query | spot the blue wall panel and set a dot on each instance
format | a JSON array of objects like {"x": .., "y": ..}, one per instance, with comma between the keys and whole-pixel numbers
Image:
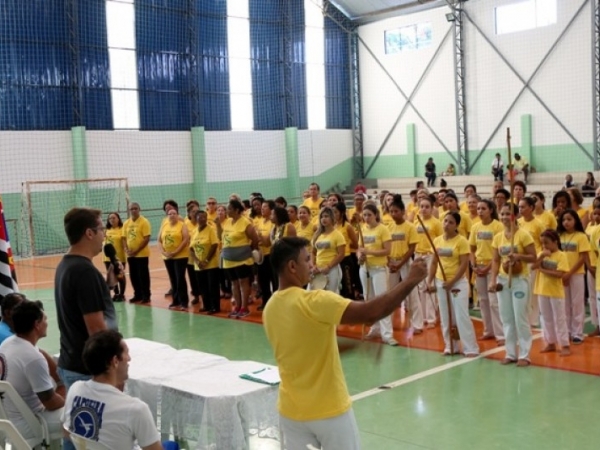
[{"x": 337, "y": 76}]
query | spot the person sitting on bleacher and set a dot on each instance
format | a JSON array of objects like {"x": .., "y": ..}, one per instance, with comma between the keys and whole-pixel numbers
[
  {"x": 26, "y": 369},
  {"x": 98, "y": 410}
]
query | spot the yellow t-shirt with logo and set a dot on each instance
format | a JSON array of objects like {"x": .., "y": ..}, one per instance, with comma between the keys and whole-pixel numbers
[
  {"x": 589, "y": 232},
  {"x": 482, "y": 237},
  {"x": 449, "y": 252},
  {"x": 201, "y": 242},
  {"x": 403, "y": 235},
  {"x": 502, "y": 244},
  {"x": 306, "y": 232},
  {"x": 535, "y": 228},
  {"x": 313, "y": 206},
  {"x": 326, "y": 247},
  {"x": 548, "y": 285},
  {"x": 434, "y": 228},
  {"x": 343, "y": 229},
  {"x": 301, "y": 328},
  {"x": 595, "y": 245},
  {"x": 373, "y": 240},
  {"x": 234, "y": 235},
  {"x": 573, "y": 244},
  {"x": 172, "y": 237},
  {"x": 191, "y": 230},
  {"x": 464, "y": 228},
  {"x": 113, "y": 236},
  {"x": 263, "y": 228},
  {"x": 548, "y": 220},
  {"x": 134, "y": 232}
]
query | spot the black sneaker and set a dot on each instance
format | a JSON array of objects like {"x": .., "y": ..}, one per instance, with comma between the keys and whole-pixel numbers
[{"x": 135, "y": 300}]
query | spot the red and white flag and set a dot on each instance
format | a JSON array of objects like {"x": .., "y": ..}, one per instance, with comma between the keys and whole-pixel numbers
[{"x": 8, "y": 277}]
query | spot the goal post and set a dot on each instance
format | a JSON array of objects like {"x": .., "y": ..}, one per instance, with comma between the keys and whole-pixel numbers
[{"x": 45, "y": 202}]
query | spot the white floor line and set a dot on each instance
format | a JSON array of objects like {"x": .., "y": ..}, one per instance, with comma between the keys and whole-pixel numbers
[{"x": 428, "y": 373}]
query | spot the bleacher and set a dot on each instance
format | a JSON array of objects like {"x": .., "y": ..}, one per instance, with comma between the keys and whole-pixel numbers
[{"x": 546, "y": 182}]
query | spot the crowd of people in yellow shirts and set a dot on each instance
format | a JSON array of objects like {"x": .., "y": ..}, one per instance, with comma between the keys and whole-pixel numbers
[{"x": 525, "y": 265}]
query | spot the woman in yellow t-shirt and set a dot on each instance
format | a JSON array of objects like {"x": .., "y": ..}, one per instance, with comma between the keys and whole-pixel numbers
[
  {"x": 551, "y": 265},
  {"x": 328, "y": 250},
  {"x": 114, "y": 231},
  {"x": 375, "y": 243},
  {"x": 590, "y": 231},
  {"x": 576, "y": 246},
  {"x": 173, "y": 244},
  {"x": 452, "y": 253},
  {"x": 510, "y": 264},
  {"x": 576, "y": 202},
  {"x": 192, "y": 207},
  {"x": 239, "y": 238},
  {"x": 480, "y": 241},
  {"x": 204, "y": 251},
  {"x": 528, "y": 222},
  {"x": 386, "y": 219},
  {"x": 305, "y": 227},
  {"x": 545, "y": 217},
  {"x": 224, "y": 281},
  {"x": 424, "y": 250},
  {"x": 404, "y": 241},
  {"x": 349, "y": 265},
  {"x": 472, "y": 203},
  {"x": 292, "y": 211}
]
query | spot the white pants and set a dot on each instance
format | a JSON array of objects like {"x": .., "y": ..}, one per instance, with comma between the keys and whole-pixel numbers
[
  {"x": 490, "y": 311},
  {"x": 333, "y": 280},
  {"x": 591, "y": 284},
  {"x": 374, "y": 285},
  {"x": 53, "y": 419},
  {"x": 515, "y": 319},
  {"x": 336, "y": 433},
  {"x": 411, "y": 302},
  {"x": 555, "y": 322},
  {"x": 460, "y": 316},
  {"x": 575, "y": 305},
  {"x": 428, "y": 301},
  {"x": 534, "y": 304}
]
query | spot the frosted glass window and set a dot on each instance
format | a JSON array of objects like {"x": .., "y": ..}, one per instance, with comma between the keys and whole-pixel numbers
[
  {"x": 525, "y": 15},
  {"x": 410, "y": 37},
  {"x": 120, "y": 29}
]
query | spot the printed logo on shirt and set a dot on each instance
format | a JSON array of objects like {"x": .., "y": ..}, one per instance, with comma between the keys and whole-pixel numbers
[
  {"x": 485, "y": 235},
  {"x": 86, "y": 417},
  {"x": 569, "y": 246},
  {"x": 370, "y": 239},
  {"x": 447, "y": 252},
  {"x": 323, "y": 245},
  {"x": 549, "y": 264},
  {"x": 398, "y": 236},
  {"x": 504, "y": 250},
  {"x": 520, "y": 295},
  {"x": 420, "y": 229}
]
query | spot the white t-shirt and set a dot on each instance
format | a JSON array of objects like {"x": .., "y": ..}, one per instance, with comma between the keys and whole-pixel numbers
[
  {"x": 27, "y": 370},
  {"x": 103, "y": 413}
]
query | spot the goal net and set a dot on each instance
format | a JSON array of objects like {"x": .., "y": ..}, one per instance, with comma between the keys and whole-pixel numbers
[{"x": 44, "y": 204}]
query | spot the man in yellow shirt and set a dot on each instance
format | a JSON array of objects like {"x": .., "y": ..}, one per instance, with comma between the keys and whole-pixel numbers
[
  {"x": 313, "y": 202},
  {"x": 314, "y": 405},
  {"x": 522, "y": 166}
]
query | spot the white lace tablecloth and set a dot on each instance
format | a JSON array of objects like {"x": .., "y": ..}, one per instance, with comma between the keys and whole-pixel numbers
[{"x": 200, "y": 397}]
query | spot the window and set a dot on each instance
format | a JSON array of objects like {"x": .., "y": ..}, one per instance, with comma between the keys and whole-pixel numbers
[
  {"x": 240, "y": 74},
  {"x": 525, "y": 15},
  {"x": 120, "y": 24},
  {"x": 315, "y": 64},
  {"x": 411, "y": 37}
]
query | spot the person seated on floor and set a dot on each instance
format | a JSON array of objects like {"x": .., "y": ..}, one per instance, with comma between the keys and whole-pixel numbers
[
  {"x": 26, "y": 369},
  {"x": 98, "y": 410}
]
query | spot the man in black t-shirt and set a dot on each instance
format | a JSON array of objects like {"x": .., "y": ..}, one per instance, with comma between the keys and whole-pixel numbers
[{"x": 82, "y": 297}]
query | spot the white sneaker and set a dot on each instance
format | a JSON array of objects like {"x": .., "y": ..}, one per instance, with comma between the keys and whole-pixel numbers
[{"x": 392, "y": 342}]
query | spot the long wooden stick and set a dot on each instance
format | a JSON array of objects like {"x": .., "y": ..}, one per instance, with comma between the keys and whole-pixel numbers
[
  {"x": 366, "y": 289},
  {"x": 512, "y": 207},
  {"x": 453, "y": 328}
]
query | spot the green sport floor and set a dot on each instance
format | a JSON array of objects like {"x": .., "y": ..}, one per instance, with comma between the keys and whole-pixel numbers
[{"x": 411, "y": 399}]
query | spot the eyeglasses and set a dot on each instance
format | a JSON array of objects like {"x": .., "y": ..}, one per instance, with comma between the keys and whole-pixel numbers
[
  {"x": 211, "y": 203},
  {"x": 133, "y": 208},
  {"x": 97, "y": 229}
]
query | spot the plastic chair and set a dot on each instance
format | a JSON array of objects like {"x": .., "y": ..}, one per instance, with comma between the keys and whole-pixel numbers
[
  {"x": 11, "y": 434},
  {"x": 37, "y": 424}
]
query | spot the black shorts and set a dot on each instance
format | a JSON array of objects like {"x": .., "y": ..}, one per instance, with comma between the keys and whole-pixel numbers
[{"x": 239, "y": 272}]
